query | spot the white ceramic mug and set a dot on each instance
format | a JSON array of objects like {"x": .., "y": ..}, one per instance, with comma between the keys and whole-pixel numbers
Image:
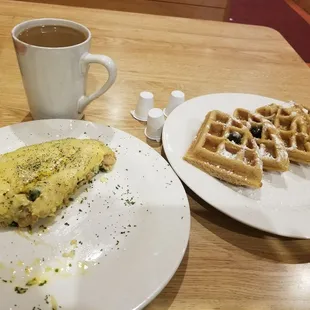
[{"x": 55, "y": 78}]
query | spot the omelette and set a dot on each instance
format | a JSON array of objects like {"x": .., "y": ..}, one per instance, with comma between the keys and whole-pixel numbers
[{"x": 37, "y": 180}]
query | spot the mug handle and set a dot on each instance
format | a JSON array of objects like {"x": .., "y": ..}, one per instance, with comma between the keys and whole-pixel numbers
[{"x": 109, "y": 64}]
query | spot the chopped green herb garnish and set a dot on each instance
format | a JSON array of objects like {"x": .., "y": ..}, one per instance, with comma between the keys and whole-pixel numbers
[
  {"x": 42, "y": 283},
  {"x": 129, "y": 202},
  {"x": 31, "y": 282},
  {"x": 46, "y": 299},
  {"x": 20, "y": 290},
  {"x": 42, "y": 227}
]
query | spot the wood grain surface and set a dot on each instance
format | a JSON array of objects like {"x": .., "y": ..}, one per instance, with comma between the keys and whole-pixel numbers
[
  {"x": 201, "y": 9},
  {"x": 227, "y": 265}
]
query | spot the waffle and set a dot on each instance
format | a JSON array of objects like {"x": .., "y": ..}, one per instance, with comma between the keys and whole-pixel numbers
[
  {"x": 226, "y": 149},
  {"x": 293, "y": 124},
  {"x": 271, "y": 148},
  {"x": 273, "y": 110}
]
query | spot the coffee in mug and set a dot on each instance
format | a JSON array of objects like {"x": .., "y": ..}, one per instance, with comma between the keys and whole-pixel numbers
[
  {"x": 53, "y": 56},
  {"x": 52, "y": 36}
]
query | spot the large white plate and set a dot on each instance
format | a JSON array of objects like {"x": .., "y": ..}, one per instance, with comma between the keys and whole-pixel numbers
[
  {"x": 131, "y": 231},
  {"x": 281, "y": 206}
]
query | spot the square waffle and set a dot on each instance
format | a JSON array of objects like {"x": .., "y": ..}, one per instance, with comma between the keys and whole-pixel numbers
[
  {"x": 293, "y": 124},
  {"x": 271, "y": 148},
  {"x": 226, "y": 149}
]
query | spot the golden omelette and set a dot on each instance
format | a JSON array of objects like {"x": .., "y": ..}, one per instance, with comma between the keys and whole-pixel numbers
[{"x": 36, "y": 180}]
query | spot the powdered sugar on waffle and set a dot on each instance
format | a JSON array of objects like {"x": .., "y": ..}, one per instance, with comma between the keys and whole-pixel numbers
[
  {"x": 258, "y": 116},
  {"x": 282, "y": 153},
  {"x": 288, "y": 104},
  {"x": 263, "y": 152},
  {"x": 280, "y": 148},
  {"x": 291, "y": 104},
  {"x": 292, "y": 147},
  {"x": 259, "y": 161},
  {"x": 248, "y": 124},
  {"x": 227, "y": 154},
  {"x": 236, "y": 120},
  {"x": 268, "y": 123}
]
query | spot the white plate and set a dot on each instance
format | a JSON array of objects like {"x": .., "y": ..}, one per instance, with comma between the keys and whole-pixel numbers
[
  {"x": 281, "y": 206},
  {"x": 131, "y": 231}
]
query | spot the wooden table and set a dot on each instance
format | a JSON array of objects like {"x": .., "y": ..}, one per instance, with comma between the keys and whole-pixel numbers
[
  {"x": 228, "y": 265},
  {"x": 201, "y": 9}
]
